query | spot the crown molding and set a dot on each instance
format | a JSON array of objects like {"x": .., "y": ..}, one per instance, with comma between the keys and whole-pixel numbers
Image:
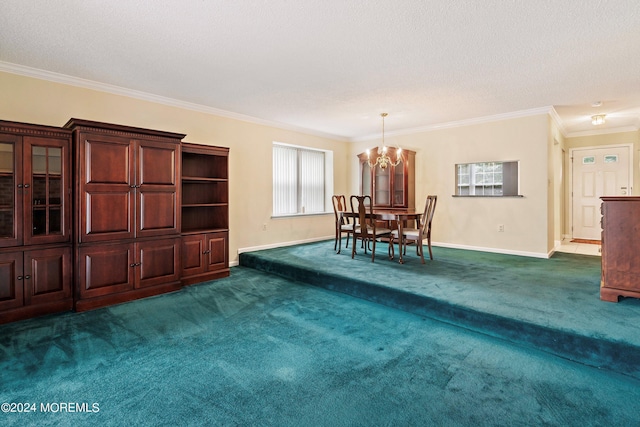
[
  {"x": 461, "y": 123},
  {"x": 144, "y": 96},
  {"x": 602, "y": 131}
]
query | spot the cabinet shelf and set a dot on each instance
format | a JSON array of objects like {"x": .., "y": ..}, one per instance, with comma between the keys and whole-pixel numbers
[
  {"x": 201, "y": 205},
  {"x": 203, "y": 230},
  {"x": 199, "y": 179}
]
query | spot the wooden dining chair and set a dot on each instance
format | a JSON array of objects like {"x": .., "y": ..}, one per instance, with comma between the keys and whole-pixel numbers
[
  {"x": 417, "y": 235},
  {"x": 365, "y": 227},
  {"x": 343, "y": 224}
]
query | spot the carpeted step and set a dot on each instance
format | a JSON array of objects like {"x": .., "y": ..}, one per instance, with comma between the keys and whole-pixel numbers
[{"x": 591, "y": 349}]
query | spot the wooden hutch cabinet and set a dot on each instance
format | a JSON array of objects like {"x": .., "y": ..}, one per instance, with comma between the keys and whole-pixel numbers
[
  {"x": 127, "y": 212},
  {"x": 205, "y": 213},
  {"x": 620, "y": 248},
  {"x": 392, "y": 187},
  {"x": 35, "y": 220}
]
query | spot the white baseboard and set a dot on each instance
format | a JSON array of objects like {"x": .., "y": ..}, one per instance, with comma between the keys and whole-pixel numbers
[
  {"x": 444, "y": 245},
  {"x": 493, "y": 250},
  {"x": 282, "y": 244}
]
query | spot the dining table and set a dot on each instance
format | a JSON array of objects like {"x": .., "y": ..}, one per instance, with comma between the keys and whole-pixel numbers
[{"x": 399, "y": 217}]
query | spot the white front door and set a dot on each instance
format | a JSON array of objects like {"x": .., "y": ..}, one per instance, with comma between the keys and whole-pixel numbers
[{"x": 597, "y": 172}]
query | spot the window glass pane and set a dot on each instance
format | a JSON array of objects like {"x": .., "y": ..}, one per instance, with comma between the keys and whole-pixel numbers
[
  {"x": 311, "y": 181},
  {"x": 298, "y": 180},
  {"x": 487, "y": 179},
  {"x": 285, "y": 180},
  {"x": 7, "y": 196},
  {"x": 611, "y": 158}
]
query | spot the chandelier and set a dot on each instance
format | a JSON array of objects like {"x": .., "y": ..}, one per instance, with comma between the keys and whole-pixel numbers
[{"x": 383, "y": 158}]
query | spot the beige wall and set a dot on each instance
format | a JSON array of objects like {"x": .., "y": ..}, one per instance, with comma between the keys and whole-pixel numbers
[
  {"x": 469, "y": 222},
  {"x": 31, "y": 100},
  {"x": 530, "y": 222}
]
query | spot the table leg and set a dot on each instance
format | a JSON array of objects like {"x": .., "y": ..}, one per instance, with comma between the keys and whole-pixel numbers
[{"x": 400, "y": 240}]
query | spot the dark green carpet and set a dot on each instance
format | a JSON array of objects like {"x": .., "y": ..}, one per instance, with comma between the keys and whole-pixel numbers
[
  {"x": 258, "y": 350},
  {"x": 551, "y": 304}
]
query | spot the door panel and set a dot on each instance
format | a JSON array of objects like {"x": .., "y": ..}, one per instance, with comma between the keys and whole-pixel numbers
[
  {"x": 106, "y": 270},
  {"x": 217, "y": 251},
  {"x": 10, "y": 190},
  {"x": 157, "y": 163},
  {"x": 50, "y": 271},
  {"x": 193, "y": 253},
  {"x": 11, "y": 281},
  {"x": 47, "y": 191},
  {"x": 158, "y": 212},
  {"x": 157, "y": 192},
  {"x": 159, "y": 262},
  {"x": 597, "y": 172},
  {"x": 107, "y": 188}
]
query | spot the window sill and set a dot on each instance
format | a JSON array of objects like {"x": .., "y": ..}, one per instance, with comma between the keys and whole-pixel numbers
[
  {"x": 300, "y": 214},
  {"x": 495, "y": 197}
]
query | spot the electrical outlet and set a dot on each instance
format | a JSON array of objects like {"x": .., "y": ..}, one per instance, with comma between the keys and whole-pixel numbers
[{"x": 501, "y": 227}]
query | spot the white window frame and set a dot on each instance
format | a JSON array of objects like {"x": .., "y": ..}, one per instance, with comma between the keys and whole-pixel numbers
[
  {"x": 300, "y": 208},
  {"x": 487, "y": 179}
]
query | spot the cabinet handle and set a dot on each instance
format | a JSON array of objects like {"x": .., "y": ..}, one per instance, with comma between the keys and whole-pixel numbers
[
  {"x": 132, "y": 265},
  {"x": 27, "y": 277},
  {"x": 20, "y": 185},
  {"x": 20, "y": 277},
  {"x": 206, "y": 252},
  {"x": 26, "y": 186}
]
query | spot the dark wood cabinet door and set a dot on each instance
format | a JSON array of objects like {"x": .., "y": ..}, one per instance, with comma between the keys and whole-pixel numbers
[
  {"x": 47, "y": 275},
  {"x": 106, "y": 269},
  {"x": 46, "y": 190},
  {"x": 107, "y": 185},
  {"x": 193, "y": 255},
  {"x": 11, "y": 281},
  {"x": 157, "y": 197},
  {"x": 158, "y": 262},
  {"x": 217, "y": 251},
  {"x": 11, "y": 187}
]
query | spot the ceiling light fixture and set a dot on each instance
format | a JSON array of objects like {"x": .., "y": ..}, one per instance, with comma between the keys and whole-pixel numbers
[
  {"x": 598, "y": 119},
  {"x": 383, "y": 159}
]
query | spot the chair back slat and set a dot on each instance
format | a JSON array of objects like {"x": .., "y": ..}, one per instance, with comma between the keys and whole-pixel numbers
[
  {"x": 361, "y": 209},
  {"x": 427, "y": 217}
]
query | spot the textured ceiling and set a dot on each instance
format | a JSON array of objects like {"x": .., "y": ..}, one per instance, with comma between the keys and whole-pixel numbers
[{"x": 333, "y": 66}]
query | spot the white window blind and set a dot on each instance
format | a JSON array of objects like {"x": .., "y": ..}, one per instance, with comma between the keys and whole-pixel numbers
[{"x": 298, "y": 180}]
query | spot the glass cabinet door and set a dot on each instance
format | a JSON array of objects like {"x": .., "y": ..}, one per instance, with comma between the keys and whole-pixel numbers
[
  {"x": 398, "y": 185},
  {"x": 10, "y": 206},
  {"x": 365, "y": 179},
  {"x": 44, "y": 192},
  {"x": 382, "y": 186}
]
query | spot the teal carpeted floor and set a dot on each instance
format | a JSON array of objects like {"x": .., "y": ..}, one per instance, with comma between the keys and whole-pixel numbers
[
  {"x": 552, "y": 304},
  {"x": 256, "y": 349}
]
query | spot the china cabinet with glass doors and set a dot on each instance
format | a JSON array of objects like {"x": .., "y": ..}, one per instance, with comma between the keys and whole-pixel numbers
[
  {"x": 35, "y": 219},
  {"x": 391, "y": 187}
]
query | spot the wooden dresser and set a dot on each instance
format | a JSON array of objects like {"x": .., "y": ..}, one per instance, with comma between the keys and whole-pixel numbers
[{"x": 620, "y": 248}]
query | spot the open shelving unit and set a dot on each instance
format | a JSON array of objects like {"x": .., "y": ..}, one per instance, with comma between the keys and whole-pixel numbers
[{"x": 205, "y": 212}]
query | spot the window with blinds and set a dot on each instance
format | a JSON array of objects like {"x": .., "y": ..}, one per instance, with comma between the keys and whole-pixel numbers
[{"x": 298, "y": 180}]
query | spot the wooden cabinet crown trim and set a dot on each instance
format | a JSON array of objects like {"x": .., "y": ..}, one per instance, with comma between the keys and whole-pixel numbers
[{"x": 121, "y": 130}]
